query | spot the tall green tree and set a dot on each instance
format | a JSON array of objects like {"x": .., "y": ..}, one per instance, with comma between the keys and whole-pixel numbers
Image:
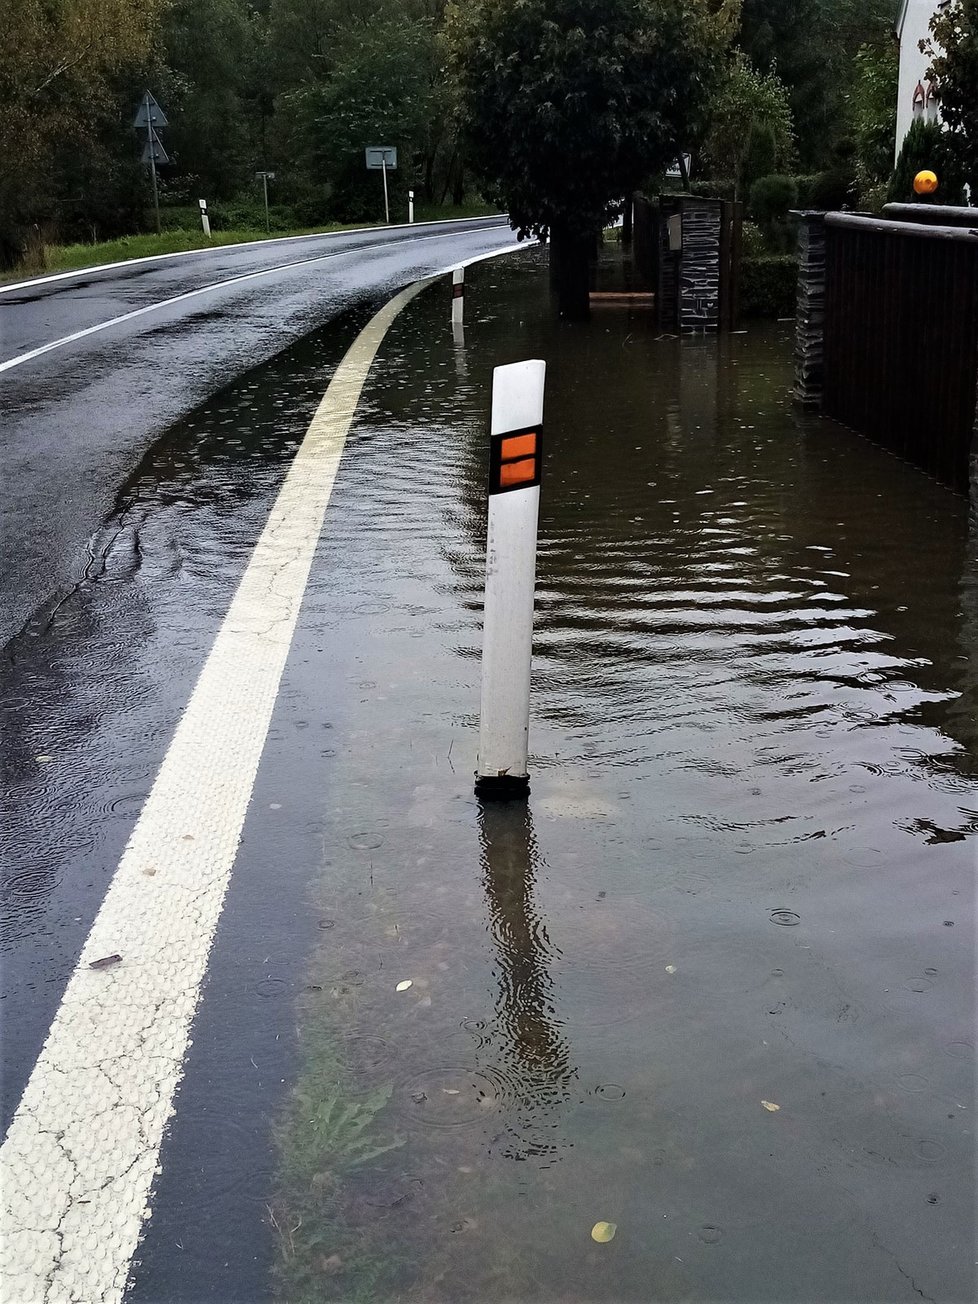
[
  {"x": 954, "y": 64},
  {"x": 569, "y": 104},
  {"x": 872, "y": 106},
  {"x": 750, "y": 114},
  {"x": 60, "y": 68},
  {"x": 210, "y": 48},
  {"x": 810, "y": 44}
]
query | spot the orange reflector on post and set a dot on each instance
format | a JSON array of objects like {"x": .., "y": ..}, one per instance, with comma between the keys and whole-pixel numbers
[
  {"x": 515, "y": 460},
  {"x": 519, "y": 446},
  {"x": 523, "y": 472}
]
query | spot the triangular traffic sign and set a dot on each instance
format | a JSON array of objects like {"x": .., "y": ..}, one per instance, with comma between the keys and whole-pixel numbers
[
  {"x": 149, "y": 112},
  {"x": 153, "y": 149}
]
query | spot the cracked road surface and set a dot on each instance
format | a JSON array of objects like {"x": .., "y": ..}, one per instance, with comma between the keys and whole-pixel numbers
[{"x": 79, "y": 1157}]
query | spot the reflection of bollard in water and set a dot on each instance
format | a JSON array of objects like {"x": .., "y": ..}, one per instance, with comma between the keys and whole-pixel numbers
[
  {"x": 458, "y": 296},
  {"x": 531, "y": 1053},
  {"x": 458, "y": 340},
  {"x": 515, "y": 459}
]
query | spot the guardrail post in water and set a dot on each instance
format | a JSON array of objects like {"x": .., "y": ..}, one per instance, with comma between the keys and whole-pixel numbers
[
  {"x": 515, "y": 463},
  {"x": 458, "y": 296}
]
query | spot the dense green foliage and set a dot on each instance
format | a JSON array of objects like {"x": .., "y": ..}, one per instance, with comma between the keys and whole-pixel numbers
[
  {"x": 299, "y": 87},
  {"x": 569, "y": 104},
  {"x": 954, "y": 63},
  {"x": 771, "y": 199},
  {"x": 768, "y": 285},
  {"x": 926, "y": 146},
  {"x": 751, "y": 130}
]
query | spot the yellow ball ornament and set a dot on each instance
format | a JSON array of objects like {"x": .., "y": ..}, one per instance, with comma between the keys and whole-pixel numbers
[{"x": 925, "y": 183}]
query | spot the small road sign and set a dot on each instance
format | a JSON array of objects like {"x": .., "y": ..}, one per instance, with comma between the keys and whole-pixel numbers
[
  {"x": 381, "y": 158},
  {"x": 150, "y": 113},
  {"x": 153, "y": 151}
]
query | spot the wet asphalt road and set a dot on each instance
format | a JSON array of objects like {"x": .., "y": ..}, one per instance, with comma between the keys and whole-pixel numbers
[
  {"x": 745, "y": 875},
  {"x": 76, "y": 420}
]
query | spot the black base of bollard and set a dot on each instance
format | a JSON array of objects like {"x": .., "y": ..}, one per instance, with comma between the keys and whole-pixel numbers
[{"x": 501, "y": 787}]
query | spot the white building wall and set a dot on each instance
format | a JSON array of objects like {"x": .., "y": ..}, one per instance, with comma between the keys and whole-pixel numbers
[{"x": 913, "y": 27}]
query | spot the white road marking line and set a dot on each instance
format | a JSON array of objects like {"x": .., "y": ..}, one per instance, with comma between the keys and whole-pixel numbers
[
  {"x": 206, "y": 289},
  {"x": 34, "y": 281},
  {"x": 77, "y": 1165}
]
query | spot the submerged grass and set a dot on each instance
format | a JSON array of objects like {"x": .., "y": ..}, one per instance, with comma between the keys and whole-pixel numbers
[{"x": 330, "y": 1139}]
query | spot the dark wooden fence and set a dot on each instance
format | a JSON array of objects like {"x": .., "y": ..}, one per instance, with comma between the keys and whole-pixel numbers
[{"x": 901, "y": 338}]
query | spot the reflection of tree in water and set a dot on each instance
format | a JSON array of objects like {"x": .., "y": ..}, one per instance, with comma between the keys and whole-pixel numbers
[{"x": 533, "y": 1054}]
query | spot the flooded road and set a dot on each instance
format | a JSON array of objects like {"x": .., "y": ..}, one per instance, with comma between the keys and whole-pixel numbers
[{"x": 713, "y": 984}]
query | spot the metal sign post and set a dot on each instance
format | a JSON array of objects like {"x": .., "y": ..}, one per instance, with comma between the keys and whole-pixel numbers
[
  {"x": 149, "y": 116},
  {"x": 266, "y": 177},
  {"x": 379, "y": 158},
  {"x": 515, "y": 461}
]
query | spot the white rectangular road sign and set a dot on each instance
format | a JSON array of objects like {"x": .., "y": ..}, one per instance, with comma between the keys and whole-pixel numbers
[{"x": 380, "y": 155}]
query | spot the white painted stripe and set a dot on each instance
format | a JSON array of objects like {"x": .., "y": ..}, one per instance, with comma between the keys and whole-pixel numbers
[
  {"x": 78, "y": 1161},
  {"x": 33, "y": 281},
  {"x": 205, "y": 289}
]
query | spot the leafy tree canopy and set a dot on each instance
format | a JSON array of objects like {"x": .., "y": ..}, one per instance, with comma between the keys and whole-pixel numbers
[
  {"x": 954, "y": 64},
  {"x": 750, "y": 111},
  {"x": 570, "y": 104}
]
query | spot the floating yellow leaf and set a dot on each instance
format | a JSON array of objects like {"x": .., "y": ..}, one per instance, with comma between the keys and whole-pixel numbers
[
  {"x": 402, "y": 987},
  {"x": 771, "y": 1106},
  {"x": 603, "y": 1232}
]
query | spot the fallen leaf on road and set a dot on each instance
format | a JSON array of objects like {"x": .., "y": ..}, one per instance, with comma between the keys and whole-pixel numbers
[
  {"x": 603, "y": 1232},
  {"x": 402, "y": 987},
  {"x": 770, "y": 1106},
  {"x": 105, "y": 962}
]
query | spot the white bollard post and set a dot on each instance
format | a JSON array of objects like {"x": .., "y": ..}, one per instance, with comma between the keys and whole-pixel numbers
[
  {"x": 410, "y": 205},
  {"x": 205, "y": 221},
  {"x": 458, "y": 296},
  {"x": 515, "y": 463}
]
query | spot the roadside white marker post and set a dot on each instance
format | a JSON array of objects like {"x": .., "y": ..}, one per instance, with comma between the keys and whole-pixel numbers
[
  {"x": 515, "y": 463},
  {"x": 458, "y": 300},
  {"x": 387, "y": 210},
  {"x": 205, "y": 221},
  {"x": 410, "y": 205}
]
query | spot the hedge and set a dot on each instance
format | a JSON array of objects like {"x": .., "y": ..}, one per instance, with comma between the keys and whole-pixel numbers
[{"x": 768, "y": 285}]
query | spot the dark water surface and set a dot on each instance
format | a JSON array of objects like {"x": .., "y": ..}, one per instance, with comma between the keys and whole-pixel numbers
[{"x": 744, "y": 878}]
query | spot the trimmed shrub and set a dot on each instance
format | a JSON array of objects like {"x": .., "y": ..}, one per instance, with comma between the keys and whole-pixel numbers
[
  {"x": 806, "y": 187},
  {"x": 771, "y": 198},
  {"x": 926, "y": 146},
  {"x": 768, "y": 285},
  {"x": 718, "y": 189},
  {"x": 833, "y": 189}
]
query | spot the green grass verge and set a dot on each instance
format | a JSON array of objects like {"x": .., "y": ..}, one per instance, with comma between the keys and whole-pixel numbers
[{"x": 76, "y": 257}]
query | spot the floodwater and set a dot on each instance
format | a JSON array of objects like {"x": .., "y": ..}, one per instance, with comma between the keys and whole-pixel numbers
[{"x": 714, "y": 982}]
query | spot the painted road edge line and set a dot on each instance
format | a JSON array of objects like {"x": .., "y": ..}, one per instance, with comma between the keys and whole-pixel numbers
[
  {"x": 79, "y": 1158},
  {"x": 33, "y": 281},
  {"x": 204, "y": 289}
]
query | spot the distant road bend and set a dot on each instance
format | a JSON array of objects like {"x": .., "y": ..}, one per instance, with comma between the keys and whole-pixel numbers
[{"x": 95, "y": 365}]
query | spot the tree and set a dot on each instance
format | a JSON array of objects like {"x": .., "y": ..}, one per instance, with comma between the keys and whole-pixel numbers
[
  {"x": 872, "y": 106},
  {"x": 60, "y": 66},
  {"x": 953, "y": 50},
  {"x": 926, "y": 147},
  {"x": 810, "y": 45},
  {"x": 569, "y": 104},
  {"x": 750, "y": 119}
]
